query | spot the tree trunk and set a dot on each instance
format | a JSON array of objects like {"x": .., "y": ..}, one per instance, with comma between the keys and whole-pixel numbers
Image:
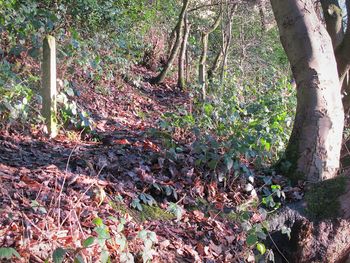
[
  {"x": 319, "y": 233},
  {"x": 215, "y": 65},
  {"x": 313, "y": 150},
  {"x": 332, "y": 14},
  {"x": 181, "y": 82},
  {"x": 203, "y": 58},
  {"x": 161, "y": 76},
  {"x": 334, "y": 21},
  {"x": 227, "y": 38},
  {"x": 172, "y": 40},
  {"x": 342, "y": 54}
]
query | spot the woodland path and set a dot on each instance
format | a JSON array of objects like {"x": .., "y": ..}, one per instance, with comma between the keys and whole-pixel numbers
[{"x": 51, "y": 190}]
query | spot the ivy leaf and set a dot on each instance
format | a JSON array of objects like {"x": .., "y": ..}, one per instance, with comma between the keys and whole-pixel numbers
[
  {"x": 142, "y": 234},
  {"x": 147, "y": 199},
  {"x": 136, "y": 204},
  {"x": 103, "y": 233},
  {"x": 126, "y": 257},
  {"x": 58, "y": 255},
  {"x": 261, "y": 248},
  {"x": 70, "y": 92},
  {"x": 251, "y": 239},
  {"x": 8, "y": 253},
  {"x": 229, "y": 163},
  {"x": 122, "y": 242},
  {"x": 88, "y": 242},
  {"x": 212, "y": 164},
  {"x": 176, "y": 210},
  {"x": 78, "y": 259},
  {"x": 120, "y": 227},
  {"x": 98, "y": 221},
  {"x": 104, "y": 256},
  {"x": 167, "y": 190}
]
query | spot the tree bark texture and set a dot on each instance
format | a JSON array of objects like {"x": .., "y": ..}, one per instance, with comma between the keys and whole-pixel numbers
[
  {"x": 313, "y": 150},
  {"x": 181, "y": 81},
  {"x": 332, "y": 13},
  {"x": 342, "y": 54},
  {"x": 203, "y": 58},
  {"x": 334, "y": 21},
  {"x": 214, "y": 67},
  {"x": 226, "y": 39},
  {"x": 175, "y": 50},
  {"x": 312, "y": 240}
]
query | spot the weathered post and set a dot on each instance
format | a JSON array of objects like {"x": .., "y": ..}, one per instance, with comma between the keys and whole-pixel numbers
[{"x": 49, "y": 91}]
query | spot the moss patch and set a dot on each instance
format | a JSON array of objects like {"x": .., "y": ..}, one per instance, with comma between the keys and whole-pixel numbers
[
  {"x": 201, "y": 204},
  {"x": 323, "y": 198},
  {"x": 155, "y": 213},
  {"x": 120, "y": 207},
  {"x": 287, "y": 165},
  {"x": 232, "y": 216}
]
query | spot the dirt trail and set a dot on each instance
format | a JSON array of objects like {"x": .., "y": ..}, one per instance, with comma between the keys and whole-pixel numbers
[{"x": 51, "y": 190}]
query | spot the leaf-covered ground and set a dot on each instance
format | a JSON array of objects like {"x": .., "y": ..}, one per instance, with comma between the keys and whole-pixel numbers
[{"x": 56, "y": 194}]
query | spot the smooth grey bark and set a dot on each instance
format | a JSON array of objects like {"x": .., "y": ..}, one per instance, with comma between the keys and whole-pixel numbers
[
  {"x": 313, "y": 150},
  {"x": 174, "y": 51}
]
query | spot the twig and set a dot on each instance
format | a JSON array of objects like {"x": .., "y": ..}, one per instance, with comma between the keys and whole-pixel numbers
[
  {"x": 279, "y": 251},
  {"x": 82, "y": 195},
  {"x": 81, "y": 229},
  {"x": 182, "y": 198},
  {"x": 61, "y": 190}
]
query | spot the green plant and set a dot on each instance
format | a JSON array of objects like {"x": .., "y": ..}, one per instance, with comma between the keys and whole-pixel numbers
[
  {"x": 145, "y": 198},
  {"x": 8, "y": 253},
  {"x": 103, "y": 236},
  {"x": 71, "y": 113},
  {"x": 149, "y": 238}
]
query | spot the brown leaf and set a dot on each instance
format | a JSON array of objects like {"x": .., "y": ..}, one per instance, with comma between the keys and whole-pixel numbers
[
  {"x": 30, "y": 182},
  {"x": 230, "y": 239},
  {"x": 215, "y": 248},
  {"x": 198, "y": 215}
]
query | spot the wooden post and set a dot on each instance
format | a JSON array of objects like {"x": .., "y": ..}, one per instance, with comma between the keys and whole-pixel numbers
[{"x": 49, "y": 91}]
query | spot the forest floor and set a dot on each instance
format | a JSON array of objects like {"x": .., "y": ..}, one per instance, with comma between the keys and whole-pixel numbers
[{"x": 52, "y": 190}]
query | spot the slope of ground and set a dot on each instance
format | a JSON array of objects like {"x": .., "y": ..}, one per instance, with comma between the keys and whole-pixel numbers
[{"x": 52, "y": 191}]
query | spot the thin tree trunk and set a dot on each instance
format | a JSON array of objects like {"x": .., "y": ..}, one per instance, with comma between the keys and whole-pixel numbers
[
  {"x": 313, "y": 150},
  {"x": 161, "y": 76},
  {"x": 181, "y": 82},
  {"x": 203, "y": 57},
  {"x": 215, "y": 65},
  {"x": 227, "y": 38},
  {"x": 332, "y": 14},
  {"x": 342, "y": 54},
  {"x": 187, "y": 66},
  {"x": 173, "y": 37}
]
